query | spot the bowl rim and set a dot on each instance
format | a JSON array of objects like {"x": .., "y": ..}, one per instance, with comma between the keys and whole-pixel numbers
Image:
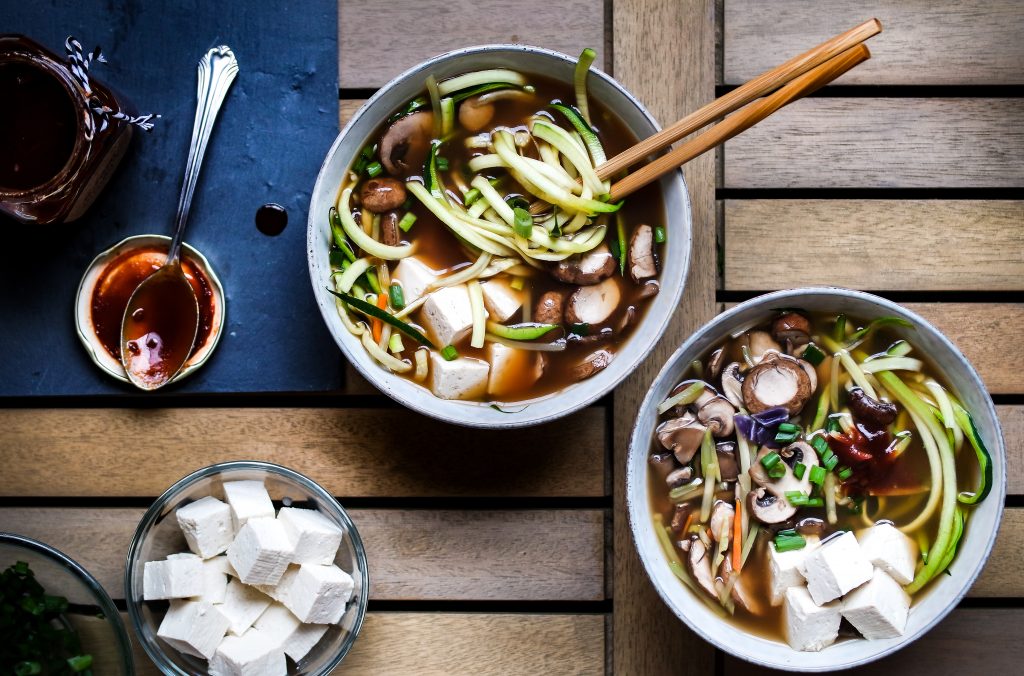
[
  {"x": 110, "y": 610},
  {"x": 151, "y": 514},
  {"x": 542, "y": 411},
  {"x": 637, "y": 491}
]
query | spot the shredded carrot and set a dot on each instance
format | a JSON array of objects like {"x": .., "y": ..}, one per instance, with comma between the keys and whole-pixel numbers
[
  {"x": 689, "y": 520},
  {"x": 378, "y": 325},
  {"x": 737, "y": 536}
]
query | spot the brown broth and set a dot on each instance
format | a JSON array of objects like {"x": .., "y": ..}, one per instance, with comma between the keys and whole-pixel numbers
[
  {"x": 438, "y": 248},
  {"x": 911, "y": 469}
]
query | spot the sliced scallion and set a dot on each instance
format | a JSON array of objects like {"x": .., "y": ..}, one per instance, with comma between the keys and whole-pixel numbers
[
  {"x": 397, "y": 296},
  {"x": 813, "y": 355},
  {"x": 374, "y": 169},
  {"x": 523, "y": 225},
  {"x": 407, "y": 221},
  {"x": 778, "y": 471},
  {"x": 817, "y": 476},
  {"x": 659, "y": 234},
  {"x": 845, "y": 473},
  {"x": 820, "y": 445},
  {"x": 831, "y": 463},
  {"x": 449, "y": 353},
  {"x": 788, "y": 543},
  {"x": 799, "y": 470},
  {"x": 771, "y": 459}
]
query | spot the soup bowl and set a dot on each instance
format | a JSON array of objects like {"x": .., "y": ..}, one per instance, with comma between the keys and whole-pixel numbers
[
  {"x": 932, "y": 603},
  {"x": 363, "y": 126}
]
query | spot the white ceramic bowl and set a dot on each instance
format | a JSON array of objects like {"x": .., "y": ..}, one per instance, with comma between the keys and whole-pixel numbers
[
  {"x": 362, "y": 127},
  {"x": 934, "y": 602}
]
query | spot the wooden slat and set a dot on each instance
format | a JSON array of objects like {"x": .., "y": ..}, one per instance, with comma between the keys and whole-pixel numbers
[
  {"x": 968, "y": 641},
  {"x": 963, "y": 245},
  {"x": 459, "y": 643},
  {"x": 420, "y": 555},
  {"x": 377, "y": 41},
  {"x": 648, "y": 639},
  {"x": 923, "y": 42},
  {"x": 1011, "y": 418},
  {"x": 352, "y": 452},
  {"x": 346, "y": 109},
  {"x": 882, "y": 143},
  {"x": 1003, "y": 575}
]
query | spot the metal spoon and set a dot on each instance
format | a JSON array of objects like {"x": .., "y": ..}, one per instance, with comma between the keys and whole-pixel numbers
[{"x": 162, "y": 318}]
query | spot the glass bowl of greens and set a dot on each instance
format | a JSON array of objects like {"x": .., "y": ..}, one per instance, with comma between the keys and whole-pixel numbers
[{"x": 55, "y": 618}]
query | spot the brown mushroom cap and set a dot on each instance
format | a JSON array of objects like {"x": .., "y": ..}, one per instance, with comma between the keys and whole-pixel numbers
[
  {"x": 549, "y": 308},
  {"x": 642, "y": 262},
  {"x": 869, "y": 410},
  {"x": 593, "y": 305},
  {"x": 382, "y": 194},
  {"x": 586, "y": 269},
  {"x": 717, "y": 413},
  {"x": 682, "y": 436},
  {"x": 591, "y": 364},
  {"x": 475, "y": 113},
  {"x": 778, "y": 380},
  {"x": 405, "y": 144},
  {"x": 732, "y": 384},
  {"x": 793, "y": 328}
]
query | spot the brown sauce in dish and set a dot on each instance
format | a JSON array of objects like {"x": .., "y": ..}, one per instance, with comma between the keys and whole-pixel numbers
[{"x": 119, "y": 280}]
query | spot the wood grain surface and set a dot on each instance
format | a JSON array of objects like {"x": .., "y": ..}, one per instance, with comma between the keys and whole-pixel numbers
[
  {"x": 883, "y": 143},
  {"x": 414, "y": 554},
  {"x": 1012, "y": 420},
  {"x": 963, "y": 245},
  {"x": 379, "y": 40},
  {"x": 351, "y": 452},
  {"x": 648, "y": 639},
  {"x": 968, "y": 42}
]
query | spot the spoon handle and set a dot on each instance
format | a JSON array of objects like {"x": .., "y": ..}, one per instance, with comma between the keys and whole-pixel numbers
[{"x": 217, "y": 70}]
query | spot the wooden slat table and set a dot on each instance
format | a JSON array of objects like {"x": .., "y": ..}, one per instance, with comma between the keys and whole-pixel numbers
[{"x": 510, "y": 552}]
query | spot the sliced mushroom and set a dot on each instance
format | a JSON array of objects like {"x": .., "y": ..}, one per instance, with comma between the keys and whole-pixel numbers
[
  {"x": 586, "y": 269},
  {"x": 682, "y": 436},
  {"x": 727, "y": 465},
  {"x": 767, "y": 508},
  {"x": 680, "y": 515},
  {"x": 778, "y": 380},
  {"x": 640, "y": 256},
  {"x": 715, "y": 362},
  {"x": 758, "y": 343},
  {"x": 717, "y": 413},
  {"x": 628, "y": 317},
  {"x": 389, "y": 232},
  {"x": 732, "y": 384},
  {"x": 679, "y": 476},
  {"x": 700, "y": 567},
  {"x": 870, "y": 410},
  {"x": 405, "y": 144},
  {"x": 812, "y": 374},
  {"x": 593, "y": 305},
  {"x": 382, "y": 194},
  {"x": 798, "y": 451},
  {"x": 549, "y": 308},
  {"x": 475, "y": 113},
  {"x": 662, "y": 465},
  {"x": 740, "y": 595},
  {"x": 791, "y": 328},
  {"x": 721, "y": 517},
  {"x": 649, "y": 289},
  {"x": 591, "y": 364}
]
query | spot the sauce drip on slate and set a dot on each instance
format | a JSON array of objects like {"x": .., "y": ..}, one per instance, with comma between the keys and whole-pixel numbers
[
  {"x": 119, "y": 280},
  {"x": 271, "y": 219},
  {"x": 37, "y": 126}
]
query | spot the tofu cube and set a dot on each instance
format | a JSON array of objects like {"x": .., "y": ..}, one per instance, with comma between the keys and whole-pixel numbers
[
  {"x": 886, "y": 547},
  {"x": 879, "y": 608},
  {"x": 447, "y": 315},
  {"x": 242, "y": 605},
  {"x": 784, "y": 569},
  {"x": 248, "y": 500},
  {"x": 207, "y": 526},
  {"x": 294, "y": 637},
  {"x": 460, "y": 378},
  {"x": 193, "y": 627},
  {"x": 512, "y": 371},
  {"x": 179, "y": 577},
  {"x": 260, "y": 552},
  {"x": 215, "y": 579},
  {"x": 501, "y": 300},
  {"x": 318, "y": 594},
  {"x": 313, "y": 536},
  {"x": 415, "y": 277},
  {"x": 835, "y": 568},
  {"x": 254, "y": 654},
  {"x": 810, "y": 627}
]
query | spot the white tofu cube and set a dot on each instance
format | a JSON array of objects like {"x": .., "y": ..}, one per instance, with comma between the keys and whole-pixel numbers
[
  {"x": 254, "y": 654},
  {"x": 835, "y": 568},
  {"x": 295, "y": 638},
  {"x": 784, "y": 569},
  {"x": 313, "y": 536},
  {"x": 888, "y": 548},
  {"x": 242, "y": 605},
  {"x": 193, "y": 627},
  {"x": 207, "y": 526},
  {"x": 809, "y": 626},
  {"x": 460, "y": 378},
  {"x": 512, "y": 371},
  {"x": 179, "y": 577},
  {"x": 215, "y": 579},
  {"x": 879, "y": 608},
  {"x": 448, "y": 315},
  {"x": 501, "y": 300},
  {"x": 415, "y": 277},
  {"x": 318, "y": 594},
  {"x": 260, "y": 552},
  {"x": 248, "y": 500}
]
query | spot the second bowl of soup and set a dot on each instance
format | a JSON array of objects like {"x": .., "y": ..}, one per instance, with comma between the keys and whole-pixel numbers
[{"x": 463, "y": 250}]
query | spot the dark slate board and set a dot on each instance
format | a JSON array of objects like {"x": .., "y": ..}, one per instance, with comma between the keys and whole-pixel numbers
[{"x": 279, "y": 119}]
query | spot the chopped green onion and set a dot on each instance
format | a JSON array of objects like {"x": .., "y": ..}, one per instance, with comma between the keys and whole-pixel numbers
[
  {"x": 581, "y": 329},
  {"x": 442, "y": 164},
  {"x": 845, "y": 473},
  {"x": 787, "y": 532},
  {"x": 374, "y": 169},
  {"x": 80, "y": 662},
  {"x": 523, "y": 224},
  {"x": 517, "y": 283},
  {"x": 788, "y": 543},
  {"x": 771, "y": 459},
  {"x": 831, "y": 463},
  {"x": 472, "y": 195},
  {"x": 820, "y": 445},
  {"x": 368, "y": 152},
  {"x": 788, "y": 428},
  {"x": 778, "y": 471},
  {"x": 377, "y": 313},
  {"x": 813, "y": 354},
  {"x": 786, "y": 437},
  {"x": 407, "y": 221},
  {"x": 449, "y": 352},
  {"x": 814, "y": 502},
  {"x": 799, "y": 470},
  {"x": 28, "y": 668},
  {"x": 796, "y": 495},
  {"x": 397, "y": 296},
  {"x": 817, "y": 476},
  {"x": 517, "y": 202},
  {"x": 659, "y": 234}
]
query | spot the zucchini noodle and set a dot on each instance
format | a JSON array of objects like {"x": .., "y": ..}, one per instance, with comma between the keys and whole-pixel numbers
[
  {"x": 856, "y": 373},
  {"x": 476, "y": 303}
]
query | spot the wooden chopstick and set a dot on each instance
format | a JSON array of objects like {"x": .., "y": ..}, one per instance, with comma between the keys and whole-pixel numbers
[
  {"x": 750, "y": 115},
  {"x": 762, "y": 84}
]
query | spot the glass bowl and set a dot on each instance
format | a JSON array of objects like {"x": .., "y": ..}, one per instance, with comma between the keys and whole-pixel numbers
[
  {"x": 91, "y": 613},
  {"x": 158, "y": 535}
]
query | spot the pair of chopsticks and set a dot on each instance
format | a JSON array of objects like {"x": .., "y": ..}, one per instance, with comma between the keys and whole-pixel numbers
[{"x": 784, "y": 84}]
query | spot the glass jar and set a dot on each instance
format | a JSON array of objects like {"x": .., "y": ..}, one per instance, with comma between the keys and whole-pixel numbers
[{"x": 55, "y": 155}]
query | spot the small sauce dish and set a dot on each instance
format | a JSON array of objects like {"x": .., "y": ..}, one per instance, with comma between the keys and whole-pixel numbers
[{"x": 109, "y": 282}]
